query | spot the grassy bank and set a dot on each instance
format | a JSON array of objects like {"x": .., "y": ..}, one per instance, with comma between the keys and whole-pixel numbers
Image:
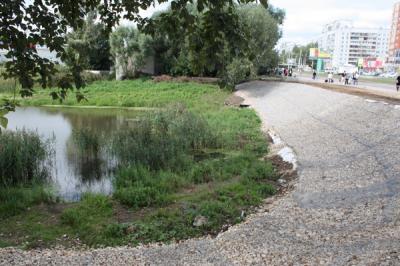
[{"x": 186, "y": 171}]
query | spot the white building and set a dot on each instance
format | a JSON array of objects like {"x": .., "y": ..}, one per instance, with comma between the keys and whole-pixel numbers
[{"x": 347, "y": 44}]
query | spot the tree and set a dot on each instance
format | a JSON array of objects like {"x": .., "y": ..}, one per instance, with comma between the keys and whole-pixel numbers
[
  {"x": 263, "y": 34},
  {"x": 27, "y": 23},
  {"x": 130, "y": 48},
  {"x": 250, "y": 34},
  {"x": 301, "y": 52},
  {"x": 96, "y": 40}
]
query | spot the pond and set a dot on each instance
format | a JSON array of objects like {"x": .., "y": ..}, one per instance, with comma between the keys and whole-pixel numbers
[{"x": 72, "y": 174}]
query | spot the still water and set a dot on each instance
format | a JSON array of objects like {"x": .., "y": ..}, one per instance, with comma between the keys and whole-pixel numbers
[{"x": 73, "y": 174}]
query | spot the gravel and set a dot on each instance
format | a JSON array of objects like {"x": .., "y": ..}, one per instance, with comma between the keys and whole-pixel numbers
[{"x": 343, "y": 209}]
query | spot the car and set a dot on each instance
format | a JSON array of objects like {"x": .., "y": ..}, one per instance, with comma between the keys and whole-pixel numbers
[{"x": 389, "y": 75}]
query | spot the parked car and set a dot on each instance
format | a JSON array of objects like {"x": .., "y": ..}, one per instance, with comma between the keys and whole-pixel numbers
[{"x": 388, "y": 75}]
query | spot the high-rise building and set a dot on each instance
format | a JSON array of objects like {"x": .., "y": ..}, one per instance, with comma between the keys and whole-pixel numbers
[
  {"x": 348, "y": 44},
  {"x": 394, "y": 44}
]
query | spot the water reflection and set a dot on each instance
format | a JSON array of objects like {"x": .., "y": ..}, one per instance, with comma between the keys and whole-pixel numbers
[{"x": 75, "y": 172}]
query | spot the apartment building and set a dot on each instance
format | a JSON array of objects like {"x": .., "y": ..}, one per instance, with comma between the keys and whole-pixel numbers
[
  {"x": 394, "y": 43},
  {"x": 348, "y": 44}
]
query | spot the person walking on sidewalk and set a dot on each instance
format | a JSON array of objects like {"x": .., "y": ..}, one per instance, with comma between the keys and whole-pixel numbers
[
  {"x": 357, "y": 76},
  {"x": 314, "y": 75},
  {"x": 342, "y": 77},
  {"x": 346, "y": 79},
  {"x": 398, "y": 83},
  {"x": 330, "y": 77}
]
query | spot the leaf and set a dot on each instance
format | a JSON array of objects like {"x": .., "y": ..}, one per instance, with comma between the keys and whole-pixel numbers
[
  {"x": 264, "y": 3},
  {"x": 3, "y": 112},
  {"x": 3, "y": 121}
]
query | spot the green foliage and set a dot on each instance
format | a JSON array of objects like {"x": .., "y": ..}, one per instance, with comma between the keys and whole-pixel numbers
[
  {"x": 217, "y": 174},
  {"x": 89, "y": 217},
  {"x": 7, "y": 85},
  {"x": 23, "y": 157},
  {"x": 139, "y": 93},
  {"x": 163, "y": 139},
  {"x": 95, "y": 43},
  {"x": 299, "y": 52},
  {"x": 204, "y": 49},
  {"x": 137, "y": 186},
  {"x": 15, "y": 200},
  {"x": 21, "y": 19},
  {"x": 130, "y": 48},
  {"x": 262, "y": 29},
  {"x": 87, "y": 142},
  {"x": 219, "y": 41},
  {"x": 239, "y": 70}
]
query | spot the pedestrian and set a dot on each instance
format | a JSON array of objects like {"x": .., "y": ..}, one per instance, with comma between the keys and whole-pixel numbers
[
  {"x": 346, "y": 79},
  {"x": 398, "y": 83},
  {"x": 357, "y": 77},
  {"x": 343, "y": 77},
  {"x": 285, "y": 72},
  {"x": 290, "y": 72},
  {"x": 330, "y": 77},
  {"x": 314, "y": 75},
  {"x": 353, "y": 77}
]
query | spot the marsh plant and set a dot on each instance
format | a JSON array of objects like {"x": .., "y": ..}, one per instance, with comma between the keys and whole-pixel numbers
[
  {"x": 87, "y": 142},
  {"x": 165, "y": 139},
  {"x": 24, "y": 158},
  {"x": 89, "y": 153}
]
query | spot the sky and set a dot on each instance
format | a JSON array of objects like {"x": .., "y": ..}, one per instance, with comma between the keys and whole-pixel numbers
[{"x": 306, "y": 18}]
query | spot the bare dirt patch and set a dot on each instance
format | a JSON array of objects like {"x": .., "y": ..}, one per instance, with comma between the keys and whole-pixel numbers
[
  {"x": 202, "y": 80},
  {"x": 234, "y": 100}
]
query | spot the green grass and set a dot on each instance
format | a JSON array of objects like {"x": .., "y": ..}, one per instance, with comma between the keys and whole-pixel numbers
[
  {"x": 17, "y": 199},
  {"x": 137, "y": 93},
  {"x": 180, "y": 163},
  {"x": 7, "y": 86}
]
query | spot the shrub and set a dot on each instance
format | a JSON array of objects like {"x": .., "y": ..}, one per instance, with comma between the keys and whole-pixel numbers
[
  {"x": 23, "y": 158},
  {"x": 239, "y": 70},
  {"x": 163, "y": 140}
]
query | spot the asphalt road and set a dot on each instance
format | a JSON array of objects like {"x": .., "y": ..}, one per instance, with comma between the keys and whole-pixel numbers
[{"x": 344, "y": 209}]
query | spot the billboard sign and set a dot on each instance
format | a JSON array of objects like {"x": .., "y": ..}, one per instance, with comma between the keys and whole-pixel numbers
[
  {"x": 316, "y": 53},
  {"x": 372, "y": 63}
]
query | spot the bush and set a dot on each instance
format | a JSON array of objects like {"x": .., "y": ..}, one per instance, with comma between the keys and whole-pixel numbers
[
  {"x": 162, "y": 140},
  {"x": 23, "y": 158},
  {"x": 239, "y": 70}
]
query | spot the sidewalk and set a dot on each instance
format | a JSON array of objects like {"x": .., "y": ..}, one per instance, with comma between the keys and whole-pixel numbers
[{"x": 376, "y": 91}]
